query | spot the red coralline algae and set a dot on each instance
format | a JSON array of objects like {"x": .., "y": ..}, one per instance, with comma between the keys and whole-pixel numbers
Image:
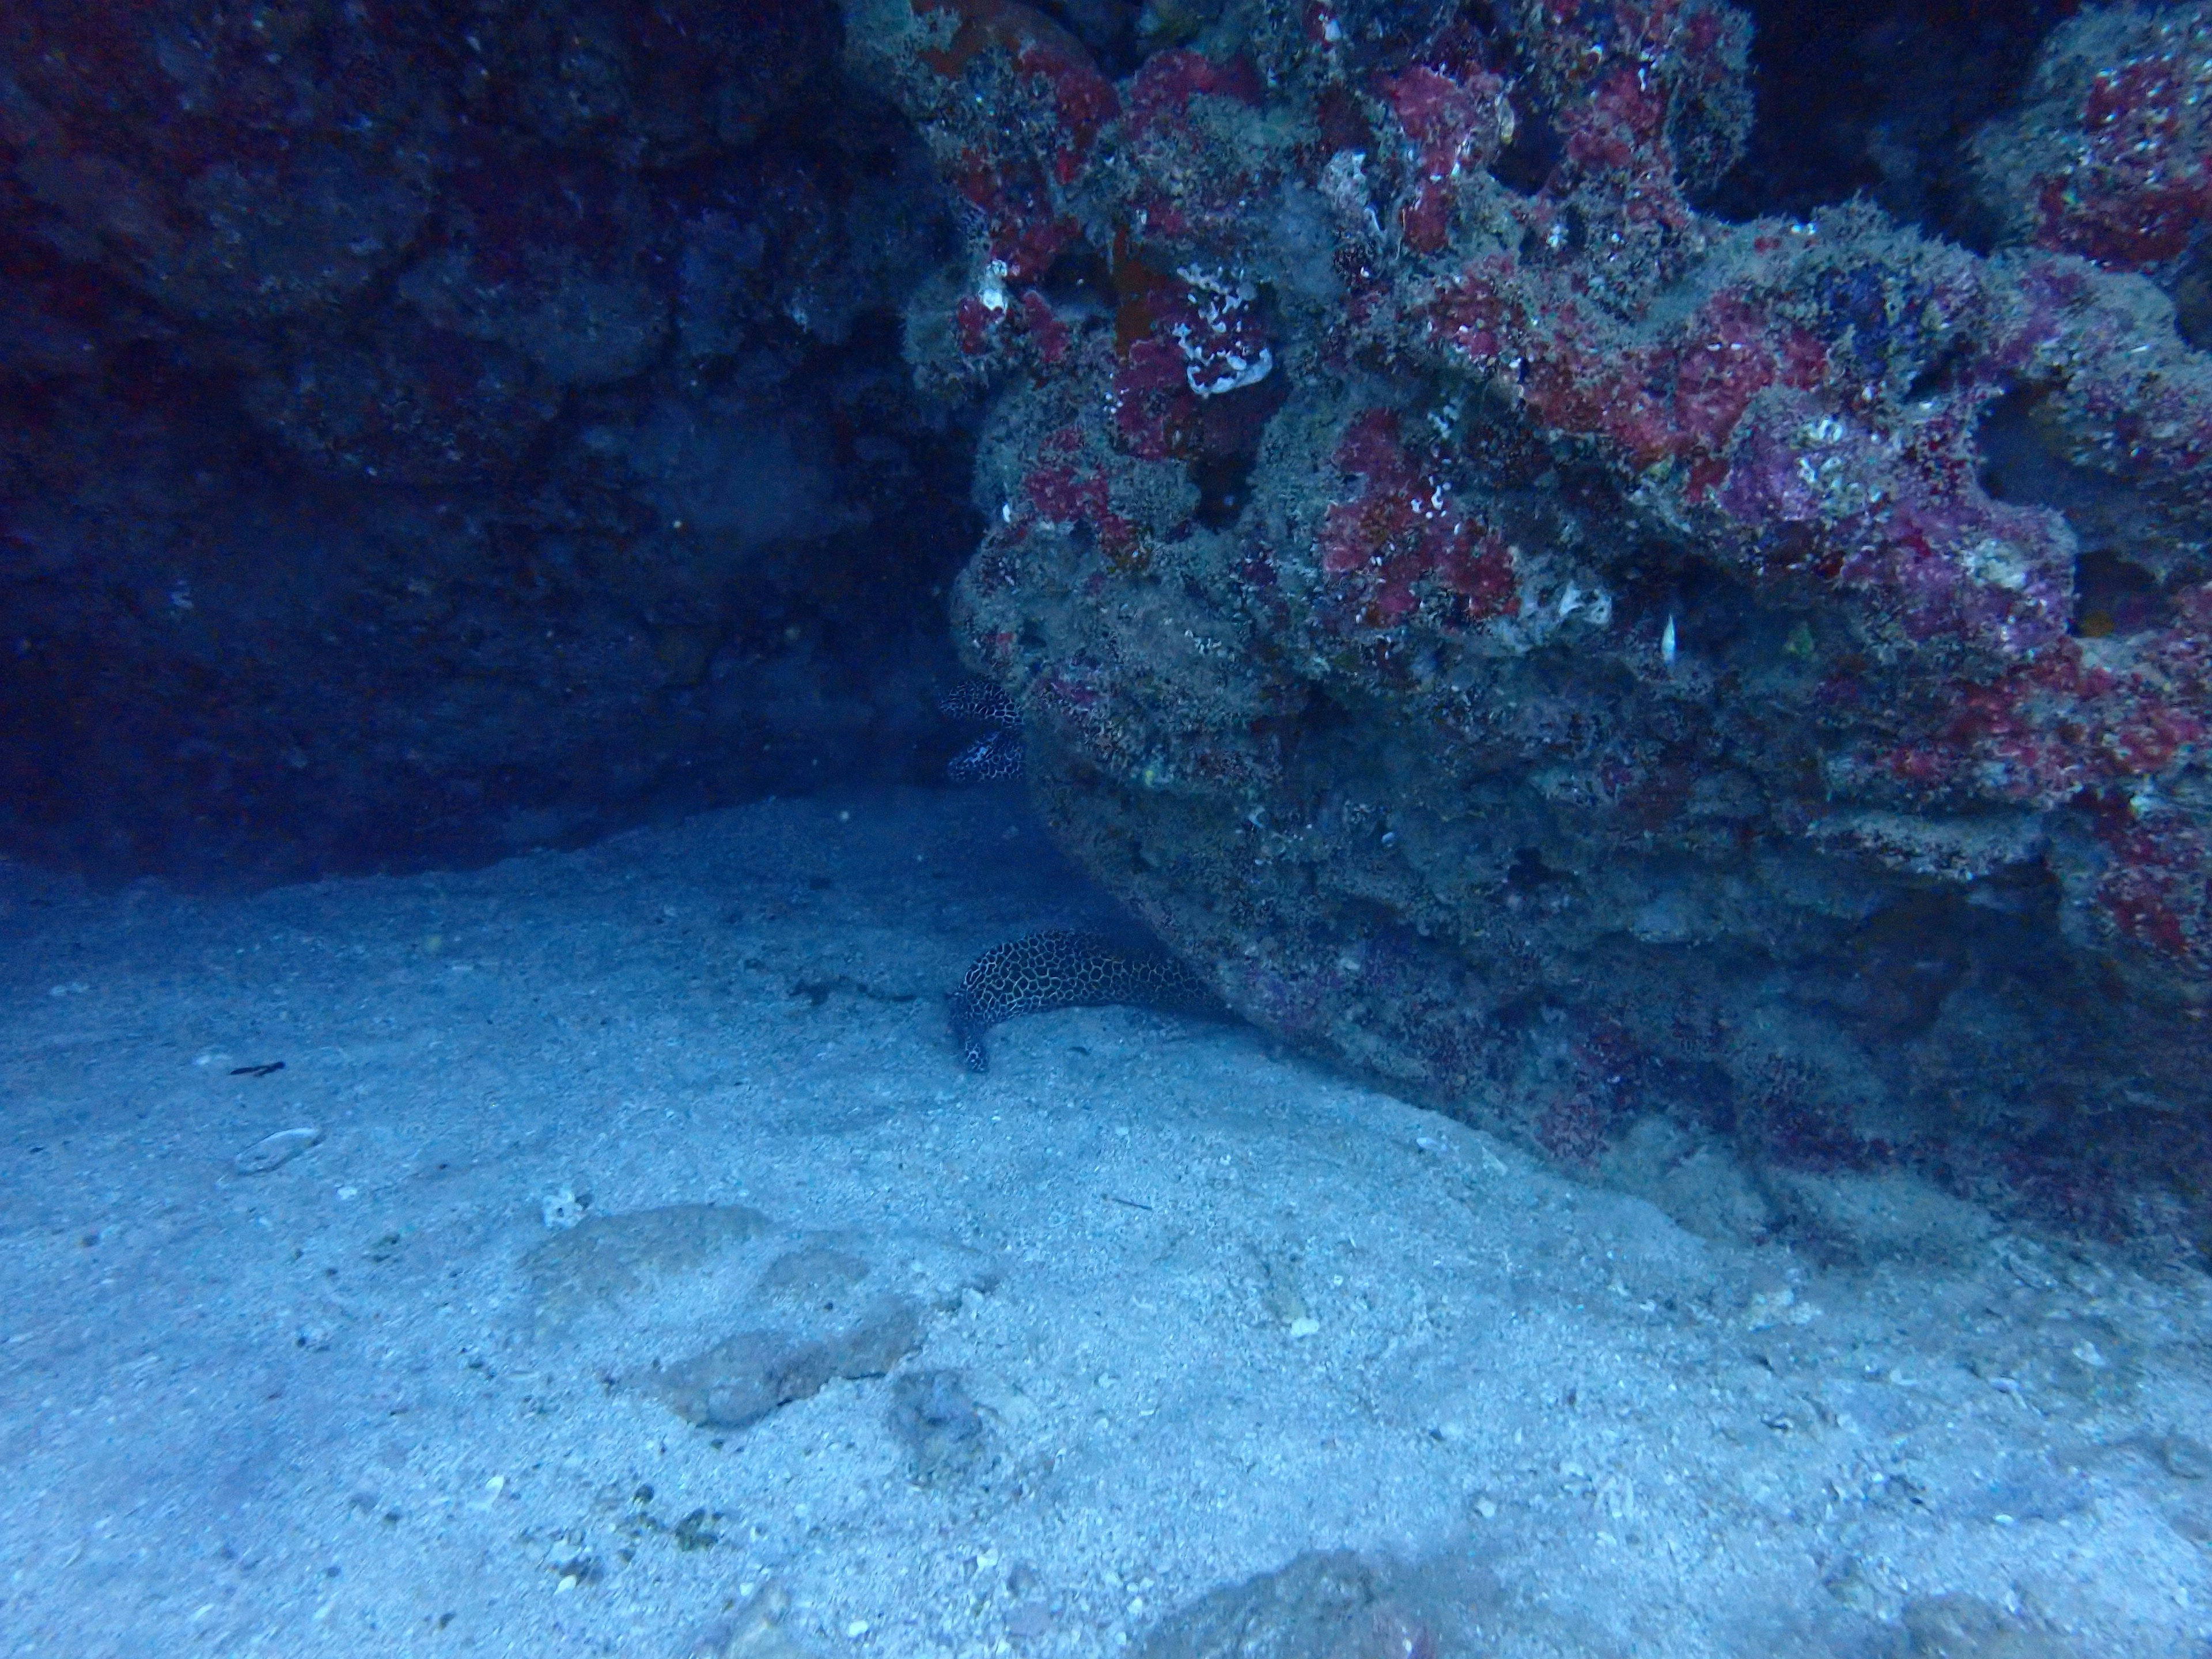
[
  {"x": 1182, "y": 340},
  {"x": 2153, "y": 889},
  {"x": 2063, "y": 726},
  {"x": 1012, "y": 152},
  {"x": 2141, "y": 186},
  {"x": 1059, "y": 493},
  {"x": 1045, "y": 329},
  {"x": 1678, "y": 398},
  {"x": 1454, "y": 125},
  {"x": 1165, "y": 82},
  {"x": 975, "y": 324},
  {"x": 1039, "y": 50},
  {"x": 1066, "y": 498},
  {"x": 1575, "y": 1128},
  {"x": 1154, "y": 409},
  {"x": 2111, "y": 156},
  {"x": 1403, "y": 533}
]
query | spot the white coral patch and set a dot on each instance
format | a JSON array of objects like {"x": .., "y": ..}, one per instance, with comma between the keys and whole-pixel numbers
[
  {"x": 992, "y": 291},
  {"x": 1997, "y": 563},
  {"x": 1227, "y": 371}
]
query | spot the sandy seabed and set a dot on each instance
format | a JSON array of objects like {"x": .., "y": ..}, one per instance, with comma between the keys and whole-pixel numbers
[{"x": 621, "y": 1262}]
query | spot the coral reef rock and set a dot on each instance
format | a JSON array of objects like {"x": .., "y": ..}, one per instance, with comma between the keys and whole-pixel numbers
[{"x": 1569, "y": 653}]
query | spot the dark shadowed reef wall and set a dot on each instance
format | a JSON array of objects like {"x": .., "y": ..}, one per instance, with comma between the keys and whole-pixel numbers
[{"x": 429, "y": 429}]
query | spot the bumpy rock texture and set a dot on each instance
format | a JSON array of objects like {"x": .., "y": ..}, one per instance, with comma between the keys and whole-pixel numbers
[
  {"x": 1567, "y": 653},
  {"x": 437, "y": 427}
]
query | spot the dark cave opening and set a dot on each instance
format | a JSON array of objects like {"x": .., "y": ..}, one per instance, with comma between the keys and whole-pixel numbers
[
  {"x": 1880, "y": 103},
  {"x": 518, "y": 515},
  {"x": 2115, "y": 599}
]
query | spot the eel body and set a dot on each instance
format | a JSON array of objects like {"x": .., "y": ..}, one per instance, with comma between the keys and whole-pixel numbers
[{"x": 1062, "y": 970}]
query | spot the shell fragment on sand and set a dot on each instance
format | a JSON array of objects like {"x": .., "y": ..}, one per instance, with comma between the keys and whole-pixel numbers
[{"x": 273, "y": 1151}]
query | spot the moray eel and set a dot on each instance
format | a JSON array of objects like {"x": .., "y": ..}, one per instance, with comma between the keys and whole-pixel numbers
[
  {"x": 1045, "y": 971},
  {"x": 999, "y": 754},
  {"x": 995, "y": 757}
]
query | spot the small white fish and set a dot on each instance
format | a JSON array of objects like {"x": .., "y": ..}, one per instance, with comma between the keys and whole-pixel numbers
[{"x": 1667, "y": 643}]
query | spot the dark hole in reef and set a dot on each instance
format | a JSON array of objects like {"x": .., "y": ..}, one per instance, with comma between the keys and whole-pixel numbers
[
  {"x": 2017, "y": 464},
  {"x": 1222, "y": 491},
  {"x": 2112, "y": 597},
  {"x": 1904, "y": 961},
  {"x": 2192, "y": 300},
  {"x": 1107, "y": 27},
  {"x": 1528, "y": 874},
  {"x": 1332, "y": 747},
  {"x": 1901, "y": 966},
  {"x": 1324, "y": 716},
  {"x": 1939, "y": 376},
  {"x": 1880, "y": 102},
  {"x": 876, "y": 333},
  {"x": 1080, "y": 278},
  {"x": 1712, "y": 609},
  {"x": 1230, "y": 428},
  {"x": 2113, "y": 592},
  {"x": 1523, "y": 166},
  {"x": 1233, "y": 423},
  {"x": 1648, "y": 592}
]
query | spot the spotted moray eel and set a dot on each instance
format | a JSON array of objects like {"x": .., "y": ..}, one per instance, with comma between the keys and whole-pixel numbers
[
  {"x": 1060, "y": 969},
  {"x": 999, "y": 754}
]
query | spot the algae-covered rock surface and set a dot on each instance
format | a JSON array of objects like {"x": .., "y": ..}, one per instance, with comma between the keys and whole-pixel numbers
[{"x": 1560, "y": 649}]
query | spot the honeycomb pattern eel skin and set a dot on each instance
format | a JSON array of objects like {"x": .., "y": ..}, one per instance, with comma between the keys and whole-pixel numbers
[
  {"x": 1059, "y": 970},
  {"x": 999, "y": 755}
]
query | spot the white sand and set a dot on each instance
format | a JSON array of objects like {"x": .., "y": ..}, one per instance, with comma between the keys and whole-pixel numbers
[{"x": 1241, "y": 1308}]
